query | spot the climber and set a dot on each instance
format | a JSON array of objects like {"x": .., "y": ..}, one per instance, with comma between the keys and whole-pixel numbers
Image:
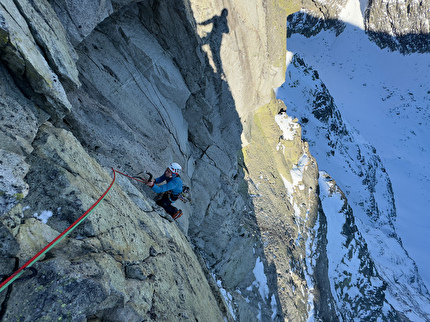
[{"x": 171, "y": 190}]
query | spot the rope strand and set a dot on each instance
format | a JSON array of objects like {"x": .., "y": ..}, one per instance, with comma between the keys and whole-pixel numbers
[{"x": 48, "y": 247}]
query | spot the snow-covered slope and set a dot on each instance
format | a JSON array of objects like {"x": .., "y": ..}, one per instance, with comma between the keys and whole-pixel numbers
[{"x": 365, "y": 112}]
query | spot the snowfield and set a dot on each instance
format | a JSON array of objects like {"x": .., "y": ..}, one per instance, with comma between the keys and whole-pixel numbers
[{"x": 384, "y": 101}]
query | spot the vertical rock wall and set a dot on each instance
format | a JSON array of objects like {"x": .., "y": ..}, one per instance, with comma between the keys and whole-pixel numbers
[
  {"x": 285, "y": 200},
  {"x": 158, "y": 82},
  {"x": 134, "y": 85}
]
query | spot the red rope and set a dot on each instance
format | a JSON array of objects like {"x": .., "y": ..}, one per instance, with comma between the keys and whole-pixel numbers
[{"x": 35, "y": 258}]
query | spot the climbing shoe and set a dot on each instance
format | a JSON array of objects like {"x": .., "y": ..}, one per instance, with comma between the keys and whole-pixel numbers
[{"x": 177, "y": 214}]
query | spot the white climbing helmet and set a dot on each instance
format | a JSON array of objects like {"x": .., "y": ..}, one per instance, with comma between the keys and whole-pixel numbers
[{"x": 175, "y": 168}]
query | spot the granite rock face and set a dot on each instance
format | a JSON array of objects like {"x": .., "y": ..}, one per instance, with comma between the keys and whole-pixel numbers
[
  {"x": 17, "y": 130},
  {"x": 135, "y": 85},
  {"x": 119, "y": 262},
  {"x": 399, "y": 25},
  {"x": 38, "y": 53}
]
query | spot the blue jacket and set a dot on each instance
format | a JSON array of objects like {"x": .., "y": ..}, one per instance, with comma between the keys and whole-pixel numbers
[{"x": 174, "y": 184}]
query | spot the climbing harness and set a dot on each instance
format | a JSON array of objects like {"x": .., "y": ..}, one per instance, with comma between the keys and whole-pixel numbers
[{"x": 33, "y": 260}]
